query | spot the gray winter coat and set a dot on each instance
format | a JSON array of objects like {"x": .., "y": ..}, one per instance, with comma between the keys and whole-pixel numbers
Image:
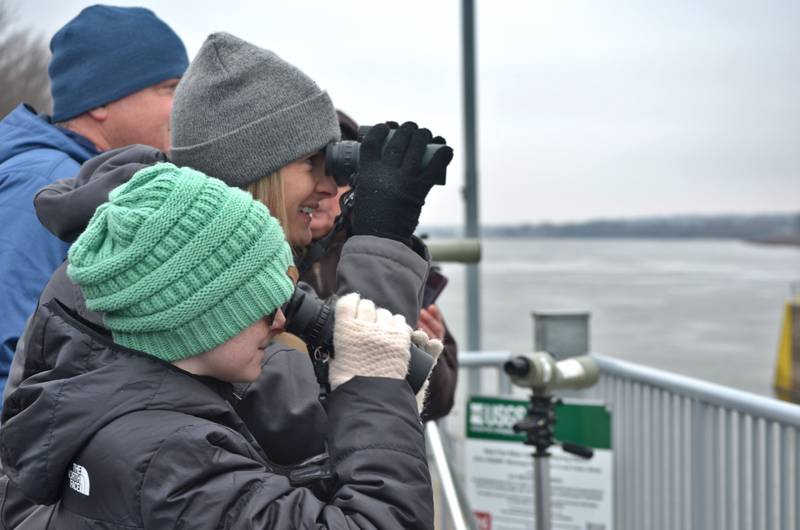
[{"x": 115, "y": 438}]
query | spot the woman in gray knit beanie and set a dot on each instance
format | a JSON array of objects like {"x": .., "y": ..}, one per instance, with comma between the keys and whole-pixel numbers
[{"x": 244, "y": 115}]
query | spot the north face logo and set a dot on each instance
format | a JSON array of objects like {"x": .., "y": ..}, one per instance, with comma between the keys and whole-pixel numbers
[{"x": 79, "y": 479}]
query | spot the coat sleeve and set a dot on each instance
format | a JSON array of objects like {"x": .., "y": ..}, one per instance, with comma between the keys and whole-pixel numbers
[
  {"x": 386, "y": 271},
  {"x": 208, "y": 477}
]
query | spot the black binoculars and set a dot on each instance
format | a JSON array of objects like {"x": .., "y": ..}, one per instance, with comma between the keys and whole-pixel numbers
[
  {"x": 342, "y": 158},
  {"x": 312, "y": 320}
]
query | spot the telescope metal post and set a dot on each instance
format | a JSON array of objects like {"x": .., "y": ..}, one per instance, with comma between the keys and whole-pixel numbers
[{"x": 541, "y": 482}]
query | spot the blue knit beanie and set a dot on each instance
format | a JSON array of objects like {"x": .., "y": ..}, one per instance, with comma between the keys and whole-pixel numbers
[{"x": 107, "y": 53}]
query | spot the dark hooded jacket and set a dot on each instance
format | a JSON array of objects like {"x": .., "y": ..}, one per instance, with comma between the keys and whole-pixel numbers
[
  {"x": 33, "y": 154},
  {"x": 114, "y": 438}
]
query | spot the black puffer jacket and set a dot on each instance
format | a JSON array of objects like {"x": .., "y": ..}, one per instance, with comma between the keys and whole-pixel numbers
[{"x": 118, "y": 439}]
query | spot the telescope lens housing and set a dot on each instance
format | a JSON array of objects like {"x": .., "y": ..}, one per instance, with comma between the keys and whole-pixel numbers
[
  {"x": 517, "y": 367},
  {"x": 540, "y": 372}
]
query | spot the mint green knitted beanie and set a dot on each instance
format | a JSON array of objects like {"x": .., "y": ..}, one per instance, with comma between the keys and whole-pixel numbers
[{"x": 179, "y": 262}]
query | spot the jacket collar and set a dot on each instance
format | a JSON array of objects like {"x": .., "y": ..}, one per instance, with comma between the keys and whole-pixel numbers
[{"x": 23, "y": 130}]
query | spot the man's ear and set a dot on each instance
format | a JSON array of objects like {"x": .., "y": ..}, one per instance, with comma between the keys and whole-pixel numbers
[{"x": 99, "y": 113}]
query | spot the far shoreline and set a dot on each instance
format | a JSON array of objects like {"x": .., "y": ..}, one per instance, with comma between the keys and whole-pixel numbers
[{"x": 776, "y": 241}]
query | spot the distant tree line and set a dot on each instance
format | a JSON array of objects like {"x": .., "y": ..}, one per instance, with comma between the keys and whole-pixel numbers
[
  {"x": 767, "y": 227},
  {"x": 23, "y": 65}
]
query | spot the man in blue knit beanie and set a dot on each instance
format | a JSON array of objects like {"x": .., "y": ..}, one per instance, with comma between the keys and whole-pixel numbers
[{"x": 113, "y": 73}]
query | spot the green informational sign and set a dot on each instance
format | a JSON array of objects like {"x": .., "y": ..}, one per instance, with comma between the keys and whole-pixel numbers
[
  {"x": 499, "y": 469},
  {"x": 491, "y": 418}
]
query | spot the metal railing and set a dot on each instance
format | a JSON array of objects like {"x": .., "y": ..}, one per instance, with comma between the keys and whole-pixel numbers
[
  {"x": 452, "y": 494},
  {"x": 688, "y": 454}
]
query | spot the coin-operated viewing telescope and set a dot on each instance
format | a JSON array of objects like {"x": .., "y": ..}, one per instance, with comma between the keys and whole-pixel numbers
[
  {"x": 542, "y": 374},
  {"x": 539, "y": 372}
]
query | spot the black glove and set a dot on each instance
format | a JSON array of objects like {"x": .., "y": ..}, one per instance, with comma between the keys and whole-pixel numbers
[{"x": 392, "y": 186}]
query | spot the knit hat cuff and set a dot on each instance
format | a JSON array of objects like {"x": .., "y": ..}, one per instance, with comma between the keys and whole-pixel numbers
[
  {"x": 262, "y": 295},
  {"x": 135, "y": 84},
  {"x": 263, "y": 146}
]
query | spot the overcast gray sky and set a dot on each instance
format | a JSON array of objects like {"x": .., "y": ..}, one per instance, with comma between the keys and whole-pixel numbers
[{"x": 586, "y": 109}]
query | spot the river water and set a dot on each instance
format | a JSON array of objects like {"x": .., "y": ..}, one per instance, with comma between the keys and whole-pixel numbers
[{"x": 709, "y": 309}]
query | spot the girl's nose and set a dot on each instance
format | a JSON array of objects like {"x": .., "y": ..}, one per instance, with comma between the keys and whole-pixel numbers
[{"x": 278, "y": 322}]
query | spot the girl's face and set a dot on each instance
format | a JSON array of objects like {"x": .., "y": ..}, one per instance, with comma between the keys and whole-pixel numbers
[
  {"x": 304, "y": 186},
  {"x": 239, "y": 359}
]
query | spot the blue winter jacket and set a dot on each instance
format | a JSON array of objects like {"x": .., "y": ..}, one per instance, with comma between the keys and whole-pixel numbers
[{"x": 33, "y": 154}]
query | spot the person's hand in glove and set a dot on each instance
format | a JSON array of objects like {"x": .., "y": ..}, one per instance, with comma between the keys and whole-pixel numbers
[
  {"x": 368, "y": 341},
  {"x": 434, "y": 348},
  {"x": 392, "y": 184},
  {"x": 372, "y": 342}
]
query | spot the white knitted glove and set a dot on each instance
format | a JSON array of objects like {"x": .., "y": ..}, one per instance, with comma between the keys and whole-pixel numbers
[
  {"x": 434, "y": 348},
  {"x": 368, "y": 341}
]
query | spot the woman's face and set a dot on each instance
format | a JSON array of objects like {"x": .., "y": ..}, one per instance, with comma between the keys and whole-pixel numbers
[
  {"x": 304, "y": 186},
  {"x": 325, "y": 215}
]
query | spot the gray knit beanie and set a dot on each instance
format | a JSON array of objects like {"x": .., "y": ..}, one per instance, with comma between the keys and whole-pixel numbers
[{"x": 241, "y": 112}]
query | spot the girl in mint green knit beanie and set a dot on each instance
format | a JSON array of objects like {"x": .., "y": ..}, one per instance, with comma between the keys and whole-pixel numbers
[{"x": 181, "y": 264}]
